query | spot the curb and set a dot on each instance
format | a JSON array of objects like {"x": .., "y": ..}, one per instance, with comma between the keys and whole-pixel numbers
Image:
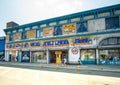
[{"x": 67, "y": 67}]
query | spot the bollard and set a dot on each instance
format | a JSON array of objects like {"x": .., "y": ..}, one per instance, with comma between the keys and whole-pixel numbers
[
  {"x": 57, "y": 67},
  {"x": 78, "y": 68},
  {"x": 41, "y": 66}
]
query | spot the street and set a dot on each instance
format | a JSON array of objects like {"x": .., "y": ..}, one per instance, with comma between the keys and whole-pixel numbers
[{"x": 65, "y": 70}]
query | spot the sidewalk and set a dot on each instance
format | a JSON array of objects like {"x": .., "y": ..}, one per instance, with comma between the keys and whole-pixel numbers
[{"x": 113, "y": 68}]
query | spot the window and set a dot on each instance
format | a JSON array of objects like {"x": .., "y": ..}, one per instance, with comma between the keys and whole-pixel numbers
[
  {"x": 88, "y": 56},
  {"x": 24, "y": 35},
  {"x": 38, "y": 33},
  {"x": 20, "y": 30},
  {"x": 111, "y": 41},
  {"x": 81, "y": 27},
  {"x": 63, "y": 22},
  {"x": 34, "y": 27},
  {"x": 27, "y": 28},
  {"x": 112, "y": 22},
  {"x": 104, "y": 42},
  {"x": 52, "y": 23},
  {"x": 75, "y": 19},
  {"x": 58, "y": 30},
  {"x": 11, "y": 37},
  {"x": 43, "y": 25}
]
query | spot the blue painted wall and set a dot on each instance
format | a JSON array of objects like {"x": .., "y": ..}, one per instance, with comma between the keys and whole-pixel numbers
[{"x": 2, "y": 48}]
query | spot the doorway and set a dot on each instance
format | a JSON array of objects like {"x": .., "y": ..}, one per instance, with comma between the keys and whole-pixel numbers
[{"x": 64, "y": 54}]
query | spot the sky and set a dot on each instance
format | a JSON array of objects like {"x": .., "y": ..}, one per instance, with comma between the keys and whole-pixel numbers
[{"x": 28, "y": 11}]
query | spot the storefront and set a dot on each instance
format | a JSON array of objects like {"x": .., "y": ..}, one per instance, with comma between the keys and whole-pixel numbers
[
  {"x": 90, "y": 49},
  {"x": 109, "y": 51},
  {"x": 110, "y": 56},
  {"x": 38, "y": 56},
  {"x": 88, "y": 56}
]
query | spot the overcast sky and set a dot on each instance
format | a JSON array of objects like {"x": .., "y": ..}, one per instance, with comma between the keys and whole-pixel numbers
[{"x": 27, "y": 11}]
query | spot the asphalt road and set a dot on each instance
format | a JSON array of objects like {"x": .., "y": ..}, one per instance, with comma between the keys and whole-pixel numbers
[{"x": 88, "y": 72}]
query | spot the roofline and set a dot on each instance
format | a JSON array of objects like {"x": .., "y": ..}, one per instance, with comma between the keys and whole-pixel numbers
[{"x": 67, "y": 16}]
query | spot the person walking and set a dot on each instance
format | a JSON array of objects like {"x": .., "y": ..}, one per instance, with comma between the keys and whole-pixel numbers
[
  {"x": 79, "y": 61},
  {"x": 65, "y": 61}
]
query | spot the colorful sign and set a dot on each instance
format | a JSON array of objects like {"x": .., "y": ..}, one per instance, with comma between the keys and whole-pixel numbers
[
  {"x": 69, "y": 28},
  {"x": 17, "y": 36},
  {"x": 31, "y": 34},
  {"x": 25, "y": 56},
  {"x": 58, "y": 52},
  {"x": 48, "y": 31}
]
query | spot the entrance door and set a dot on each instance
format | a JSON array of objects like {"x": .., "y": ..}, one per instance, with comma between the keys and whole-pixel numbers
[{"x": 54, "y": 56}]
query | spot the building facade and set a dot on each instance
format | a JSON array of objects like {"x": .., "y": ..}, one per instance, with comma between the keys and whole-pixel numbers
[
  {"x": 93, "y": 36},
  {"x": 2, "y": 48}
]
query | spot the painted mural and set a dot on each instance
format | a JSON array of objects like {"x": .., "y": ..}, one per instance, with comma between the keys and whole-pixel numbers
[
  {"x": 47, "y": 32},
  {"x": 69, "y": 29},
  {"x": 31, "y": 34},
  {"x": 17, "y": 36}
]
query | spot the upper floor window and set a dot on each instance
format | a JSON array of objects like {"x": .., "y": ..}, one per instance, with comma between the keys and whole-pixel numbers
[
  {"x": 34, "y": 27},
  {"x": 81, "y": 27},
  {"x": 75, "y": 19},
  {"x": 43, "y": 25},
  {"x": 27, "y": 28},
  {"x": 11, "y": 37},
  {"x": 13, "y": 31},
  {"x": 8, "y": 32},
  {"x": 20, "y": 30},
  {"x": 24, "y": 35},
  {"x": 38, "y": 33},
  {"x": 58, "y": 30},
  {"x": 63, "y": 22},
  {"x": 103, "y": 14},
  {"x": 112, "y": 22},
  {"x": 52, "y": 23}
]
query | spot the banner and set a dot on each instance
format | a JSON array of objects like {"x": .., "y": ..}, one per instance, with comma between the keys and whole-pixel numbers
[
  {"x": 31, "y": 34},
  {"x": 48, "y": 31},
  {"x": 69, "y": 29},
  {"x": 17, "y": 36}
]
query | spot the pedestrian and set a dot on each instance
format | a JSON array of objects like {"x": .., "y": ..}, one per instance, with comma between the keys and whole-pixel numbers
[
  {"x": 79, "y": 61},
  {"x": 65, "y": 61}
]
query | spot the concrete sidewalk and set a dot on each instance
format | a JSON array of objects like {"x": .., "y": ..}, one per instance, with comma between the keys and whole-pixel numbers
[
  {"x": 112, "y": 68},
  {"x": 20, "y": 76}
]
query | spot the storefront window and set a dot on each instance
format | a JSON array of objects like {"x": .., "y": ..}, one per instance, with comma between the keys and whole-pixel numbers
[
  {"x": 104, "y": 42},
  {"x": 38, "y": 57},
  {"x": 112, "y": 41},
  {"x": 88, "y": 56},
  {"x": 110, "y": 56}
]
